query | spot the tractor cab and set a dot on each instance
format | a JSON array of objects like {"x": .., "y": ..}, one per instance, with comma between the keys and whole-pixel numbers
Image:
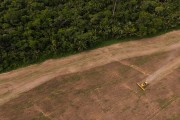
[{"x": 143, "y": 85}]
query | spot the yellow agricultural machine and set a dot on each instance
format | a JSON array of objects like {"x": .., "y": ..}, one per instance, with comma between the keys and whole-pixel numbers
[{"x": 143, "y": 85}]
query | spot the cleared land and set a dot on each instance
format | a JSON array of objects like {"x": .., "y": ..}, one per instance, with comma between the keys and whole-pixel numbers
[
  {"x": 108, "y": 92},
  {"x": 98, "y": 84}
]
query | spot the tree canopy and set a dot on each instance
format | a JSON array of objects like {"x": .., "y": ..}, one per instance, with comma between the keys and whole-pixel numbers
[{"x": 34, "y": 29}]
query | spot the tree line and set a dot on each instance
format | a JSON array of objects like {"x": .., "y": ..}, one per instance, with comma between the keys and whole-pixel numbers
[{"x": 31, "y": 30}]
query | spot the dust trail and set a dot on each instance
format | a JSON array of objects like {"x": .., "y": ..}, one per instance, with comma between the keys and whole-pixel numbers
[{"x": 165, "y": 70}]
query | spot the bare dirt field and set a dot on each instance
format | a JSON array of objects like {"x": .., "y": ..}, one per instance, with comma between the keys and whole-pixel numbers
[
  {"x": 108, "y": 92},
  {"x": 98, "y": 84}
]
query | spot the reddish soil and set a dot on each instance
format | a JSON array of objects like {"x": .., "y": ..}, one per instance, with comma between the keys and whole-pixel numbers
[
  {"x": 107, "y": 92},
  {"x": 143, "y": 61}
]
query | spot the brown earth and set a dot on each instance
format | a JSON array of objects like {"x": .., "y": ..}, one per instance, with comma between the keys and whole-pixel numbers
[
  {"x": 159, "y": 69},
  {"x": 107, "y": 92},
  {"x": 13, "y": 83},
  {"x": 143, "y": 61}
]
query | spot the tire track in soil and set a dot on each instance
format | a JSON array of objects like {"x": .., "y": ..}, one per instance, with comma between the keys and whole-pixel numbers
[
  {"x": 164, "y": 71},
  {"x": 156, "y": 112}
]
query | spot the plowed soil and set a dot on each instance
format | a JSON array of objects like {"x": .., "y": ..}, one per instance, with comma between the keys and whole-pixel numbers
[{"x": 108, "y": 92}]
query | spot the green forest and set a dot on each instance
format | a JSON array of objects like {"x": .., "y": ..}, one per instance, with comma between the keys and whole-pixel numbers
[{"x": 34, "y": 30}]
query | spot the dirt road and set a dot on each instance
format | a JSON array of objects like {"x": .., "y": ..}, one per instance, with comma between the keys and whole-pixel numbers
[{"x": 18, "y": 81}]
